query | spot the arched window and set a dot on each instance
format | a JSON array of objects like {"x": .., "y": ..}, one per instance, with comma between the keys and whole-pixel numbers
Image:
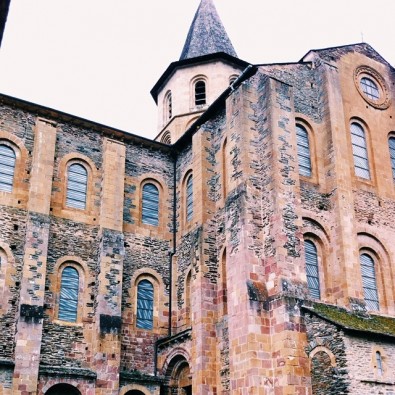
[
  {"x": 359, "y": 150},
  {"x": 168, "y": 106},
  {"x": 7, "y": 168},
  {"x": 391, "y": 143},
  {"x": 77, "y": 182},
  {"x": 63, "y": 389},
  {"x": 150, "y": 205},
  {"x": 166, "y": 138},
  {"x": 189, "y": 198},
  {"x": 145, "y": 305},
  {"x": 200, "y": 93},
  {"x": 312, "y": 270},
  {"x": 369, "y": 282},
  {"x": 379, "y": 364},
  {"x": 68, "y": 301},
  {"x": 303, "y": 145}
]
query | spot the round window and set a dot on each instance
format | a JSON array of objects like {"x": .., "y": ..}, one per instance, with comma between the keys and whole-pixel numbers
[{"x": 372, "y": 87}]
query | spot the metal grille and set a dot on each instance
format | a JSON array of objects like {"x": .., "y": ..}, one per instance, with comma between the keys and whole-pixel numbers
[
  {"x": 312, "y": 270},
  {"x": 189, "y": 198},
  {"x": 369, "y": 282},
  {"x": 7, "y": 168},
  {"x": 360, "y": 153},
  {"x": 200, "y": 93},
  {"x": 68, "y": 303},
  {"x": 169, "y": 105},
  {"x": 76, "y": 186},
  {"x": 391, "y": 144},
  {"x": 303, "y": 145},
  {"x": 145, "y": 305},
  {"x": 370, "y": 89},
  {"x": 150, "y": 211}
]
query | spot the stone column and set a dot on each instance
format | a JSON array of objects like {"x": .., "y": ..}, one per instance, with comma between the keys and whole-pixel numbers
[
  {"x": 29, "y": 327},
  {"x": 111, "y": 255}
]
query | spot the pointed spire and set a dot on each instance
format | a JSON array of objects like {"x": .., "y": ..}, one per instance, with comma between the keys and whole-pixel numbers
[{"x": 207, "y": 34}]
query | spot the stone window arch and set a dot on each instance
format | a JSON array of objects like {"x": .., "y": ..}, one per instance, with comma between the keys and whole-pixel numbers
[
  {"x": 304, "y": 151},
  {"x": 322, "y": 369},
  {"x": 166, "y": 138},
  {"x": 199, "y": 91},
  {"x": 188, "y": 197}
]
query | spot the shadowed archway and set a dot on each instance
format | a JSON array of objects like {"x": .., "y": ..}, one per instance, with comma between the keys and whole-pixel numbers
[{"x": 63, "y": 389}]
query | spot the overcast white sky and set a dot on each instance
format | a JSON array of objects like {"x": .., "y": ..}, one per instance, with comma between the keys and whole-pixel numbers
[{"x": 99, "y": 59}]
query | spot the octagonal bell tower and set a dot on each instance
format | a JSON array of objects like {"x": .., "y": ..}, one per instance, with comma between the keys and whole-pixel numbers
[{"x": 208, "y": 65}]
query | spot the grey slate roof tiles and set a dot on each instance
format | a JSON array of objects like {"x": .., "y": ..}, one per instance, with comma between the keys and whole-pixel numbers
[{"x": 207, "y": 34}]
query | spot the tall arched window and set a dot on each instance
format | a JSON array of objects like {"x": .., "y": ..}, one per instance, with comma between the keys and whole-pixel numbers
[
  {"x": 304, "y": 159},
  {"x": 68, "y": 301},
  {"x": 7, "y": 168},
  {"x": 312, "y": 269},
  {"x": 369, "y": 282},
  {"x": 200, "y": 93},
  {"x": 168, "y": 106},
  {"x": 360, "y": 152},
  {"x": 189, "y": 198},
  {"x": 145, "y": 305},
  {"x": 150, "y": 205},
  {"x": 391, "y": 143},
  {"x": 77, "y": 183}
]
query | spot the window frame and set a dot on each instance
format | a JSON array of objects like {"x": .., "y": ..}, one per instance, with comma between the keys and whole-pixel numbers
[
  {"x": 86, "y": 167},
  {"x": 200, "y": 92},
  {"x": 168, "y": 106},
  {"x": 143, "y": 201},
  {"x": 300, "y": 128},
  {"x": 64, "y": 267},
  {"x": 11, "y": 148},
  {"x": 391, "y": 137},
  {"x": 354, "y": 147},
  {"x": 151, "y": 318},
  {"x": 316, "y": 264},
  {"x": 376, "y": 276},
  {"x": 189, "y": 198}
]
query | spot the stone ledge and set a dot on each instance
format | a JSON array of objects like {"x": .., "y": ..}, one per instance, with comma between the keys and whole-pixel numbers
[
  {"x": 138, "y": 377},
  {"x": 66, "y": 371},
  {"x": 380, "y": 382},
  {"x": 7, "y": 362}
]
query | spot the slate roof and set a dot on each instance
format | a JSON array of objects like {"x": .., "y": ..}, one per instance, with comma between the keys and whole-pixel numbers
[
  {"x": 207, "y": 34},
  {"x": 376, "y": 324}
]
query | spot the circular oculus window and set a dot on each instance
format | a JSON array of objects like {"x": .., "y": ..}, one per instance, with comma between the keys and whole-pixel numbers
[{"x": 372, "y": 87}]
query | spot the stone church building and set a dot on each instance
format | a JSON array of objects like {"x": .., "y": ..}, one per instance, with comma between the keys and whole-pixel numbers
[{"x": 247, "y": 250}]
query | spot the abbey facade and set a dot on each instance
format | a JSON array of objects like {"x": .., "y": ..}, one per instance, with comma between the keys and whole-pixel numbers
[{"x": 248, "y": 249}]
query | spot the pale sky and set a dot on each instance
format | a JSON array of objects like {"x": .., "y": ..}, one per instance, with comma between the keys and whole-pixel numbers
[{"x": 99, "y": 59}]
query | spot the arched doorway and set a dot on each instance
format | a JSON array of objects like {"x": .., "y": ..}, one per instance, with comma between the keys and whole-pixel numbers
[
  {"x": 63, "y": 389},
  {"x": 178, "y": 377},
  {"x": 134, "y": 392}
]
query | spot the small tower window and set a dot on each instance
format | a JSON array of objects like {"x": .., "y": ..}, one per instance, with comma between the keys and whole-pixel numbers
[
  {"x": 145, "y": 305},
  {"x": 150, "y": 205},
  {"x": 200, "y": 93},
  {"x": 189, "y": 198},
  {"x": 77, "y": 180},
  {"x": 68, "y": 302},
  {"x": 169, "y": 105},
  {"x": 7, "y": 168},
  {"x": 369, "y": 282},
  {"x": 312, "y": 270},
  {"x": 360, "y": 152},
  {"x": 303, "y": 146}
]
